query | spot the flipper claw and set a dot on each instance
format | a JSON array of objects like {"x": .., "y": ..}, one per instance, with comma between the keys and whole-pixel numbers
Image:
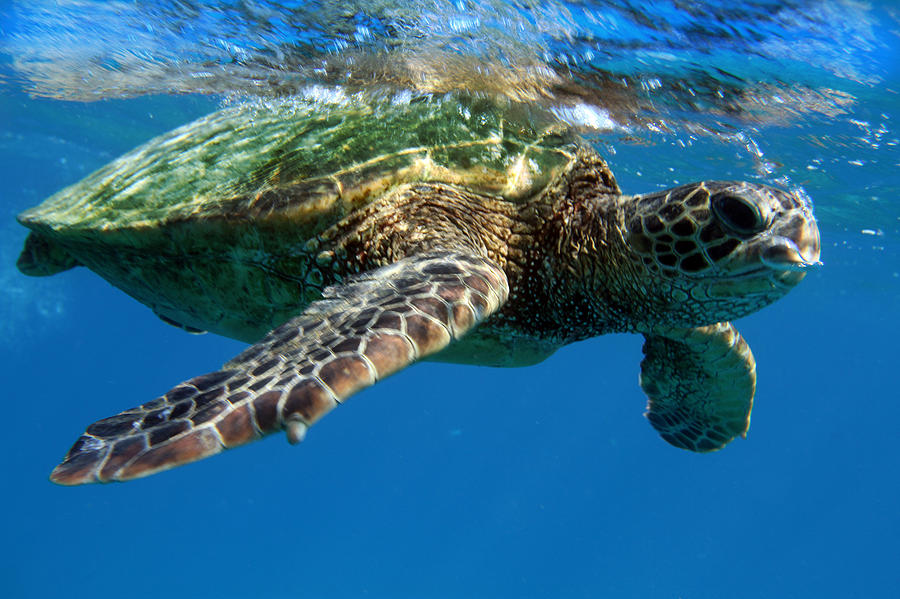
[{"x": 296, "y": 431}]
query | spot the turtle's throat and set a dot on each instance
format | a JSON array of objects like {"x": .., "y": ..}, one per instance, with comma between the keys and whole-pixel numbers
[{"x": 597, "y": 286}]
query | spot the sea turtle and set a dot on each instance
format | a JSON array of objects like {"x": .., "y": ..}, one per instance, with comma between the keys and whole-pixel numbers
[{"x": 348, "y": 240}]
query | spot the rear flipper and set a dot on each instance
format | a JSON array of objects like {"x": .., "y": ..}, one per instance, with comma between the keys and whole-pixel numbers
[
  {"x": 41, "y": 257},
  {"x": 700, "y": 383},
  {"x": 359, "y": 333}
]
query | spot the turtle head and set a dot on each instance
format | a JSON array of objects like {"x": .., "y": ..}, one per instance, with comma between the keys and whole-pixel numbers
[{"x": 721, "y": 249}]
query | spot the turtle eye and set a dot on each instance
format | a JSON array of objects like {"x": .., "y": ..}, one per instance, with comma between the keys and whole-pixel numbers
[{"x": 738, "y": 214}]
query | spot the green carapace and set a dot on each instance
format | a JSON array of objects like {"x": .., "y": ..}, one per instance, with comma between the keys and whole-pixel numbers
[{"x": 347, "y": 241}]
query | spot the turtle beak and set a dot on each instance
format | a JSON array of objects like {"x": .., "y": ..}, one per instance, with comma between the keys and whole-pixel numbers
[
  {"x": 784, "y": 254},
  {"x": 796, "y": 249}
]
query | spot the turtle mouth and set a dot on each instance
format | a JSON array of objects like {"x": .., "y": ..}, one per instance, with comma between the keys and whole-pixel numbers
[
  {"x": 785, "y": 254},
  {"x": 779, "y": 265},
  {"x": 796, "y": 248},
  {"x": 778, "y": 270},
  {"x": 785, "y": 259}
]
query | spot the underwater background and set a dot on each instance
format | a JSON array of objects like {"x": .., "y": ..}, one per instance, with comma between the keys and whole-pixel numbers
[{"x": 462, "y": 481}]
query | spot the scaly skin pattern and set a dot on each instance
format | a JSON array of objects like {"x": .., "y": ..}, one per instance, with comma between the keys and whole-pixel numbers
[
  {"x": 711, "y": 365},
  {"x": 357, "y": 334},
  {"x": 530, "y": 240},
  {"x": 610, "y": 263}
]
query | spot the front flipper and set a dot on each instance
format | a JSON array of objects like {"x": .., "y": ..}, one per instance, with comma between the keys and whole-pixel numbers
[
  {"x": 700, "y": 383},
  {"x": 360, "y": 332}
]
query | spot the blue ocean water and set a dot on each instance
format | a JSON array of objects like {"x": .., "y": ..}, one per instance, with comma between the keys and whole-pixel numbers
[{"x": 460, "y": 481}]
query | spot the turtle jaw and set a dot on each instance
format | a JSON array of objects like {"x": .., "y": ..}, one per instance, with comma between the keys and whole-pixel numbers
[
  {"x": 785, "y": 255},
  {"x": 767, "y": 269},
  {"x": 764, "y": 276},
  {"x": 796, "y": 251}
]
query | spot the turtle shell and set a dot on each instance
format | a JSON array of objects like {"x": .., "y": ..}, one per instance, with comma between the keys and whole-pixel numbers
[{"x": 209, "y": 224}]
